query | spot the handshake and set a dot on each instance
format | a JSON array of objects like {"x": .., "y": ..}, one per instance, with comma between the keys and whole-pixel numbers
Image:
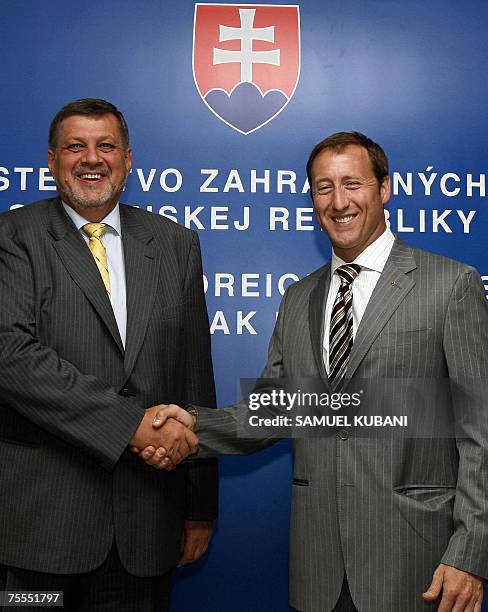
[{"x": 165, "y": 436}]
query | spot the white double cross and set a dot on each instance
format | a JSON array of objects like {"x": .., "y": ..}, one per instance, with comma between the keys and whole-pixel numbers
[{"x": 247, "y": 34}]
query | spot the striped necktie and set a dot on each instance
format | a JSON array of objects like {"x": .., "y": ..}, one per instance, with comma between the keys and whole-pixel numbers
[
  {"x": 340, "y": 338},
  {"x": 95, "y": 231}
]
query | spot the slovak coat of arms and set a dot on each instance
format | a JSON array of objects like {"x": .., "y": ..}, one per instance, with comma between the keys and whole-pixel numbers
[{"x": 246, "y": 61}]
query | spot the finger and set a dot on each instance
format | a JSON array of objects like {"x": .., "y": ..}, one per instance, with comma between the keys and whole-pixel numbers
[
  {"x": 162, "y": 461},
  {"x": 170, "y": 411},
  {"x": 192, "y": 441},
  {"x": 167, "y": 465},
  {"x": 164, "y": 464},
  {"x": 435, "y": 587},
  {"x": 158, "y": 455},
  {"x": 173, "y": 451},
  {"x": 178, "y": 444},
  {"x": 147, "y": 453},
  {"x": 183, "y": 561},
  {"x": 176, "y": 413},
  {"x": 470, "y": 606},
  {"x": 187, "y": 444},
  {"x": 156, "y": 460},
  {"x": 447, "y": 602},
  {"x": 201, "y": 550},
  {"x": 464, "y": 602},
  {"x": 134, "y": 449},
  {"x": 178, "y": 441},
  {"x": 187, "y": 557},
  {"x": 463, "y": 607},
  {"x": 182, "y": 451},
  {"x": 478, "y": 599},
  {"x": 176, "y": 459},
  {"x": 198, "y": 550}
]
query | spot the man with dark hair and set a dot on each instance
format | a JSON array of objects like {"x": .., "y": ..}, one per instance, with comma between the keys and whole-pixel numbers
[
  {"x": 377, "y": 519},
  {"x": 341, "y": 140},
  {"x": 88, "y": 107},
  {"x": 102, "y": 318}
]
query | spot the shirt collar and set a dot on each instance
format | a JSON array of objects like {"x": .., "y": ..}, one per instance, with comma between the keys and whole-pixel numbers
[
  {"x": 112, "y": 219},
  {"x": 374, "y": 257}
]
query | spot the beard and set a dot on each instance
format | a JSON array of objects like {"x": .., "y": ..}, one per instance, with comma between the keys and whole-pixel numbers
[{"x": 81, "y": 198}]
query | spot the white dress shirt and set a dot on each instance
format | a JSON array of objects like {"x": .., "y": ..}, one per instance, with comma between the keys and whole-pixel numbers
[
  {"x": 112, "y": 240},
  {"x": 372, "y": 261}
]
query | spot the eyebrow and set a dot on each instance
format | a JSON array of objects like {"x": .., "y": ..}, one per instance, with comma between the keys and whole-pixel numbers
[
  {"x": 344, "y": 178},
  {"x": 104, "y": 137}
]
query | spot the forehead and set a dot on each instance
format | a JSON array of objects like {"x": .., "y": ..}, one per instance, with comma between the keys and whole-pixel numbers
[
  {"x": 351, "y": 160},
  {"x": 95, "y": 126}
]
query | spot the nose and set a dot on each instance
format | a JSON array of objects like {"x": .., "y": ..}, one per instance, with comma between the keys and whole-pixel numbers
[
  {"x": 340, "y": 200},
  {"x": 91, "y": 155}
]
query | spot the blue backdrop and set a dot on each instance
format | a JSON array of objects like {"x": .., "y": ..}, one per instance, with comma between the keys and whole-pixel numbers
[{"x": 410, "y": 75}]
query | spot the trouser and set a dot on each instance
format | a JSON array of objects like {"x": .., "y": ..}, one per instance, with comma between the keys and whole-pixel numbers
[
  {"x": 345, "y": 602},
  {"x": 109, "y": 588}
]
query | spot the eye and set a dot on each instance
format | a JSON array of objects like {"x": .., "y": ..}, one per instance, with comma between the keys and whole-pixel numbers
[
  {"x": 353, "y": 185},
  {"x": 106, "y": 146},
  {"x": 323, "y": 189},
  {"x": 75, "y": 146}
]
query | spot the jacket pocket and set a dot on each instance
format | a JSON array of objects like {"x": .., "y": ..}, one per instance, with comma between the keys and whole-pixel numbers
[
  {"x": 28, "y": 443},
  {"x": 409, "y": 337},
  {"x": 301, "y": 482},
  {"x": 16, "y": 429},
  {"x": 429, "y": 495},
  {"x": 412, "y": 489}
]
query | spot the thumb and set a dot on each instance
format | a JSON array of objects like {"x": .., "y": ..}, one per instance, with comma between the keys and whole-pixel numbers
[
  {"x": 162, "y": 416},
  {"x": 435, "y": 587}
]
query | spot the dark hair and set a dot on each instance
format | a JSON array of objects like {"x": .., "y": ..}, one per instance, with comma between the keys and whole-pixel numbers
[
  {"x": 90, "y": 107},
  {"x": 377, "y": 157}
]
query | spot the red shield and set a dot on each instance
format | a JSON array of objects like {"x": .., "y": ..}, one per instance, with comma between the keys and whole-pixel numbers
[{"x": 246, "y": 60}]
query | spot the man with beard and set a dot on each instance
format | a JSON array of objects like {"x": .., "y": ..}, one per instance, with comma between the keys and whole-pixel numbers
[{"x": 102, "y": 318}]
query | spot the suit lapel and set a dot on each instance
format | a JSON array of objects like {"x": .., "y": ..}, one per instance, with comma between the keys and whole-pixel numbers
[
  {"x": 316, "y": 309},
  {"x": 391, "y": 289},
  {"x": 142, "y": 263},
  {"x": 80, "y": 265}
]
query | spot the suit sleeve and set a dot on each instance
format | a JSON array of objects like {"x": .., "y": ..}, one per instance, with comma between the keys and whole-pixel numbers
[
  {"x": 43, "y": 388},
  {"x": 221, "y": 432},
  {"x": 466, "y": 349},
  {"x": 202, "y": 481}
]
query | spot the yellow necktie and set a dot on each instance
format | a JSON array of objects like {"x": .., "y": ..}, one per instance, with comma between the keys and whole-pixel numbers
[{"x": 95, "y": 231}]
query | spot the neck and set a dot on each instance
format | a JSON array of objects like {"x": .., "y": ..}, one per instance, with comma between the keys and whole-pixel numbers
[
  {"x": 352, "y": 253},
  {"x": 94, "y": 215}
]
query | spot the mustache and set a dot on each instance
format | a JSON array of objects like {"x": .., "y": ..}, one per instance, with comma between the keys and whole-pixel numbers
[{"x": 98, "y": 168}]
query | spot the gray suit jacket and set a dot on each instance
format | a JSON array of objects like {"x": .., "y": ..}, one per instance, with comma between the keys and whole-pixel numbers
[
  {"x": 385, "y": 511},
  {"x": 71, "y": 397}
]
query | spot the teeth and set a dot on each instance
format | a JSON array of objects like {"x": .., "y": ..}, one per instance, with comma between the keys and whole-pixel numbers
[
  {"x": 91, "y": 176},
  {"x": 344, "y": 219}
]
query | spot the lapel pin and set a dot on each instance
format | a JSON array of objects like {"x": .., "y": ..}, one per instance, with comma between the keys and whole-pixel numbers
[{"x": 393, "y": 284}]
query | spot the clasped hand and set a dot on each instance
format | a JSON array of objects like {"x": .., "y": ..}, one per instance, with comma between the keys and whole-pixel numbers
[{"x": 165, "y": 436}]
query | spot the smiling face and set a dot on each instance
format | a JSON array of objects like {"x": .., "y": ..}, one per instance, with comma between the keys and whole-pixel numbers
[
  {"x": 90, "y": 164},
  {"x": 348, "y": 201}
]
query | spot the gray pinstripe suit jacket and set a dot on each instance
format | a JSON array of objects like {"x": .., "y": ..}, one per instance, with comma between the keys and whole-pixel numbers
[
  {"x": 71, "y": 397},
  {"x": 385, "y": 511}
]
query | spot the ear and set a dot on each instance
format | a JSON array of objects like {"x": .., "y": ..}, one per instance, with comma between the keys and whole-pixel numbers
[
  {"x": 51, "y": 156},
  {"x": 128, "y": 159},
  {"x": 385, "y": 190}
]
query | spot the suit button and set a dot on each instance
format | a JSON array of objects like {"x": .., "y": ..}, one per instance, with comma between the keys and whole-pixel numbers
[
  {"x": 125, "y": 392},
  {"x": 343, "y": 434}
]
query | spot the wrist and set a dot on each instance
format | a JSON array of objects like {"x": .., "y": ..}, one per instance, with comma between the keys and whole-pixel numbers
[{"x": 194, "y": 413}]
